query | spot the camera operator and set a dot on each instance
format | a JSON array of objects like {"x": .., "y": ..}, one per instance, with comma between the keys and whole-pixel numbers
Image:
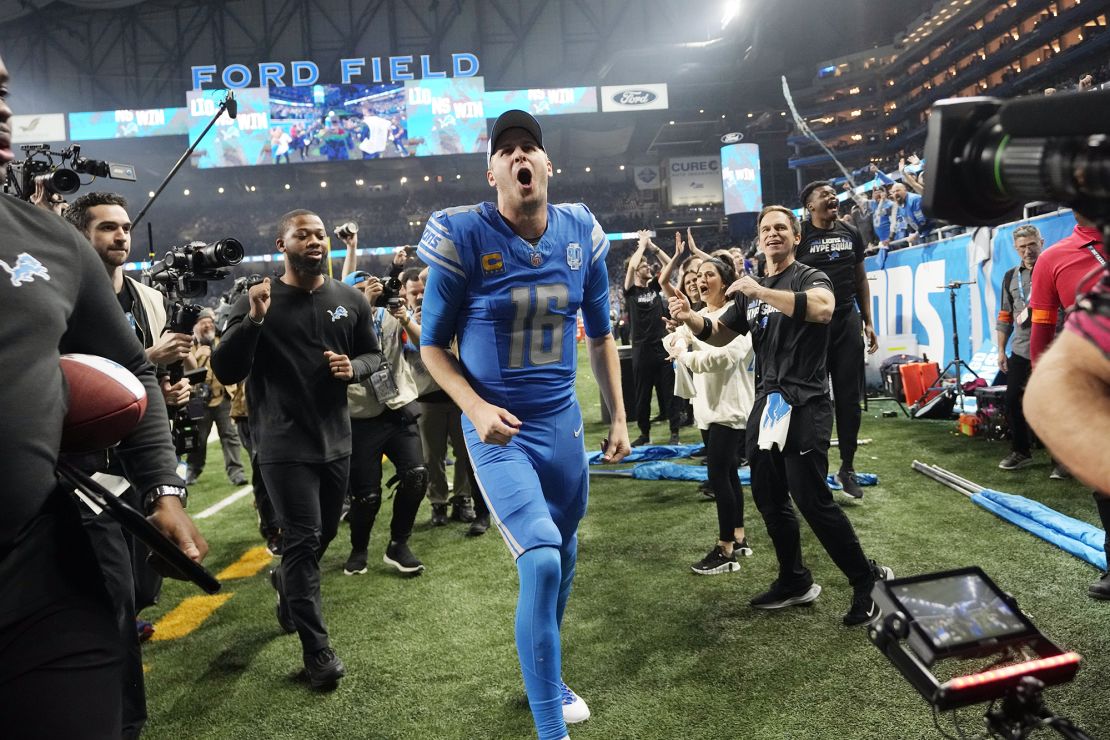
[
  {"x": 61, "y": 654},
  {"x": 298, "y": 342},
  {"x": 1075, "y": 374},
  {"x": 384, "y": 422},
  {"x": 217, "y": 409}
]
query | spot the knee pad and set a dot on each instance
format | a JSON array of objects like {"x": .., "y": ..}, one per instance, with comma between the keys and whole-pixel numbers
[
  {"x": 545, "y": 532},
  {"x": 369, "y": 497},
  {"x": 414, "y": 481}
]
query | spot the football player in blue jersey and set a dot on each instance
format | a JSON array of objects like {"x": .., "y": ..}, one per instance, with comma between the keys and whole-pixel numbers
[{"x": 508, "y": 280}]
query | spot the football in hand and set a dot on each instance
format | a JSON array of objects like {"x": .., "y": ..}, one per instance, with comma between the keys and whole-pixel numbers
[{"x": 106, "y": 402}]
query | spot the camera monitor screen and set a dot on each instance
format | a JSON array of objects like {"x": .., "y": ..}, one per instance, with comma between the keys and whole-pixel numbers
[
  {"x": 959, "y": 612},
  {"x": 327, "y": 123}
]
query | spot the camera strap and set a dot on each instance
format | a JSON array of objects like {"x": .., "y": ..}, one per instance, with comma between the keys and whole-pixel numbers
[{"x": 1090, "y": 247}]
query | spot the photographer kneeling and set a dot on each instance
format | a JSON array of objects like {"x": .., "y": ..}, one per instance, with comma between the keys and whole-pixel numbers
[{"x": 383, "y": 421}]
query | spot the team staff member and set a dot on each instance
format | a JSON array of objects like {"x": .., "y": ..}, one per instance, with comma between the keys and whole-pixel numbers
[
  {"x": 1014, "y": 320},
  {"x": 1075, "y": 374},
  {"x": 60, "y": 650},
  {"x": 298, "y": 342},
  {"x": 508, "y": 280},
  {"x": 836, "y": 249},
  {"x": 787, "y": 314},
  {"x": 650, "y": 367}
]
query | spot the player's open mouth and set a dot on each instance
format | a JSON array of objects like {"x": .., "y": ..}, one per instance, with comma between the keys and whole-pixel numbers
[{"x": 524, "y": 177}]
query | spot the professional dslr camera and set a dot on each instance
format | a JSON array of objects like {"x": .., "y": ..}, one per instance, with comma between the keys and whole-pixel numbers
[
  {"x": 48, "y": 167},
  {"x": 390, "y": 297}
]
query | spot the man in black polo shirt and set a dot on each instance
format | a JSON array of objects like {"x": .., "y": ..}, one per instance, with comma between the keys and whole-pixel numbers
[
  {"x": 787, "y": 314},
  {"x": 836, "y": 249},
  {"x": 650, "y": 367},
  {"x": 299, "y": 341}
]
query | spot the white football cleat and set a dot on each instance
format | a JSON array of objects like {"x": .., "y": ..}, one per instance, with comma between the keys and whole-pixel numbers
[{"x": 574, "y": 708}]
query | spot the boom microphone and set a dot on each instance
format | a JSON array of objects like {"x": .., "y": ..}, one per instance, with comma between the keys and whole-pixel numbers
[{"x": 231, "y": 104}]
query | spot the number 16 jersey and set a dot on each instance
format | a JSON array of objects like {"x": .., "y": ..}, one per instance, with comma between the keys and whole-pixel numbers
[{"x": 512, "y": 305}]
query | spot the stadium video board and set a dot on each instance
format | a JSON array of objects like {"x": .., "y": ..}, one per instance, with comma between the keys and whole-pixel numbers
[
  {"x": 740, "y": 178},
  {"x": 238, "y": 142},
  {"x": 327, "y": 123},
  {"x": 542, "y": 101},
  {"x": 446, "y": 116},
  {"x": 127, "y": 123}
]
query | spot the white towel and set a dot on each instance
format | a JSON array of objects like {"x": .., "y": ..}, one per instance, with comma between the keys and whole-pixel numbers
[{"x": 774, "y": 424}]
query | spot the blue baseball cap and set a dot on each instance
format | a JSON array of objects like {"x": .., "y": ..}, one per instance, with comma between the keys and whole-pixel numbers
[{"x": 356, "y": 277}]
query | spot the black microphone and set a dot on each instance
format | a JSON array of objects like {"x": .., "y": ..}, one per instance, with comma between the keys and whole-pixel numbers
[
  {"x": 231, "y": 105},
  {"x": 957, "y": 284},
  {"x": 1063, "y": 114}
]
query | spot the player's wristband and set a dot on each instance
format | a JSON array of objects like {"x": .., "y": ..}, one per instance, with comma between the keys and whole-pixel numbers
[
  {"x": 256, "y": 323},
  {"x": 800, "y": 300},
  {"x": 706, "y": 329}
]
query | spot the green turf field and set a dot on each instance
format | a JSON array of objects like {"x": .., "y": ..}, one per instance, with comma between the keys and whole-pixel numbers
[{"x": 656, "y": 651}]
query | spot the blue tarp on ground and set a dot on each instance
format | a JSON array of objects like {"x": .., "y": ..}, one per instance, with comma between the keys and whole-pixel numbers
[
  {"x": 653, "y": 452},
  {"x": 1081, "y": 539},
  {"x": 660, "y": 470}
]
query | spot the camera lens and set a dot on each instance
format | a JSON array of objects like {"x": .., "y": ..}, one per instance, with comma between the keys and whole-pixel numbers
[
  {"x": 227, "y": 252},
  {"x": 61, "y": 181}
]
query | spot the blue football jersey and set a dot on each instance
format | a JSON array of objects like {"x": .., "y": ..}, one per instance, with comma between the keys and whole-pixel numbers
[{"x": 514, "y": 306}]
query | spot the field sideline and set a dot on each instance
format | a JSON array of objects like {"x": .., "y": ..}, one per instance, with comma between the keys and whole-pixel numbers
[{"x": 656, "y": 651}]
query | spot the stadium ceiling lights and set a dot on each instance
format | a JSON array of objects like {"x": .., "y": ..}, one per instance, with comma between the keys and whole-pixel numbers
[
  {"x": 220, "y": 190},
  {"x": 323, "y": 183},
  {"x": 287, "y": 186},
  {"x": 731, "y": 10},
  {"x": 186, "y": 192}
]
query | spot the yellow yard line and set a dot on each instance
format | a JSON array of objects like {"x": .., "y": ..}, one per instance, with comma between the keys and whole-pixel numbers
[
  {"x": 252, "y": 561},
  {"x": 187, "y": 616}
]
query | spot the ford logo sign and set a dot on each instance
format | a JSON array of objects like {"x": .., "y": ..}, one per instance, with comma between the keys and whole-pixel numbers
[
  {"x": 634, "y": 97},
  {"x": 732, "y": 138}
]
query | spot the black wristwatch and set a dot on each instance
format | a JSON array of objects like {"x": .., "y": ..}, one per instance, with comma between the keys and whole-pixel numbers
[{"x": 159, "y": 491}]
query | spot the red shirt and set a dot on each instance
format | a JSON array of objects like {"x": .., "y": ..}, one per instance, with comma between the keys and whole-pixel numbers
[
  {"x": 1093, "y": 325},
  {"x": 1057, "y": 276}
]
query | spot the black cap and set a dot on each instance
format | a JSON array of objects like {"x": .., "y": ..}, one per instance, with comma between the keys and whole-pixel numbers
[{"x": 513, "y": 119}]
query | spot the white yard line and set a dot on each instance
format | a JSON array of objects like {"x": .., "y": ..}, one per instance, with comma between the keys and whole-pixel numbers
[{"x": 221, "y": 505}]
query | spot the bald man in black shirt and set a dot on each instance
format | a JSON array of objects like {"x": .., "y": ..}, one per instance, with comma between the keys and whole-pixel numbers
[
  {"x": 787, "y": 313},
  {"x": 836, "y": 249}
]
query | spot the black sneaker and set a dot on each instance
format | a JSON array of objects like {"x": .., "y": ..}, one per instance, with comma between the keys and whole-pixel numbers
[
  {"x": 478, "y": 527},
  {"x": 864, "y": 610},
  {"x": 1015, "y": 461},
  {"x": 741, "y": 548},
  {"x": 674, "y": 439},
  {"x": 716, "y": 562},
  {"x": 462, "y": 509},
  {"x": 439, "y": 515},
  {"x": 778, "y": 597},
  {"x": 707, "y": 490},
  {"x": 1100, "y": 589},
  {"x": 356, "y": 563},
  {"x": 284, "y": 616},
  {"x": 323, "y": 668},
  {"x": 1059, "y": 472},
  {"x": 847, "y": 480},
  {"x": 400, "y": 557},
  {"x": 641, "y": 440}
]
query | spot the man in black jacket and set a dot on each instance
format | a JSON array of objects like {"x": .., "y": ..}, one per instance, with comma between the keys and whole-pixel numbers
[
  {"x": 60, "y": 652},
  {"x": 298, "y": 342}
]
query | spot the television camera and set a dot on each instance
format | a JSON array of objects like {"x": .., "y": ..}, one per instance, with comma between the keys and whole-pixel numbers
[
  {"x": 59, "y": 172},
  {"x": 184, "y": 272}
]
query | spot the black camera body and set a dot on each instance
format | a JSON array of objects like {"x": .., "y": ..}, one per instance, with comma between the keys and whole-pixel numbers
[
  {"x": 59, "y": 172},
  {"x": 186, "y": 271},
  {"x": 390, "y": 297}
]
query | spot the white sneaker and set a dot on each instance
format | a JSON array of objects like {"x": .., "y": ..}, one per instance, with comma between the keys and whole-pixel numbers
[{"x": 574, "y": 708}]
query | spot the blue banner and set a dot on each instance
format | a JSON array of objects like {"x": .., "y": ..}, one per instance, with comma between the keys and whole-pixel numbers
[{"x": 908, "y": 293}]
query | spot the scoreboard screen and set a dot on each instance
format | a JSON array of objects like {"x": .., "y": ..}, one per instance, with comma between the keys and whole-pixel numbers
[
  {"x": 740, "y": 178},
  {"x": 238, "y": 142},
  {"x": 446, "y": 116},
  {"x": 127, "y": 123},
  {"x": 542, "y": 101}
]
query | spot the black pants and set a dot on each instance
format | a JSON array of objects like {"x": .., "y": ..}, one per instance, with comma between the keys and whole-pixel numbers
[
  {"x": 652, "y": 371},
  {"x": 723, "y": 451},
  {"x": 778, "y": 475},
  {"x": 1017, "y": 377},
  {"x": 308, "y": 498},
  {"x": 396, "y": 435},
  {"x": 268, "y": 524},
  {"x": 846, "y": 371},
  {"x": 61, "y": 655}
]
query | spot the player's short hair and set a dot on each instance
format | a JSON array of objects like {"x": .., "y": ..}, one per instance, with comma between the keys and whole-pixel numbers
[
  {"x": 287, "y": 220},
  {"x": 410, "y": 274},
  {"x": 808, "y": 190},
  {"x": 78, "y": 211},
  {"x": 1028, "y": 230},
  {"x": 794, "y": 225}
]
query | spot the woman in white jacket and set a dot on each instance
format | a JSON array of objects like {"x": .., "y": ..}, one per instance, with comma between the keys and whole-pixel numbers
[{"x": 723, "y": 382}]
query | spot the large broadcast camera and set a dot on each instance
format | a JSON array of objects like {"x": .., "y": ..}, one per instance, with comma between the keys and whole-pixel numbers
[
  {"x": 183, "y": 273},
  {"x": 49, "y": 168},
  {"x": 963, "y": 615}
]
